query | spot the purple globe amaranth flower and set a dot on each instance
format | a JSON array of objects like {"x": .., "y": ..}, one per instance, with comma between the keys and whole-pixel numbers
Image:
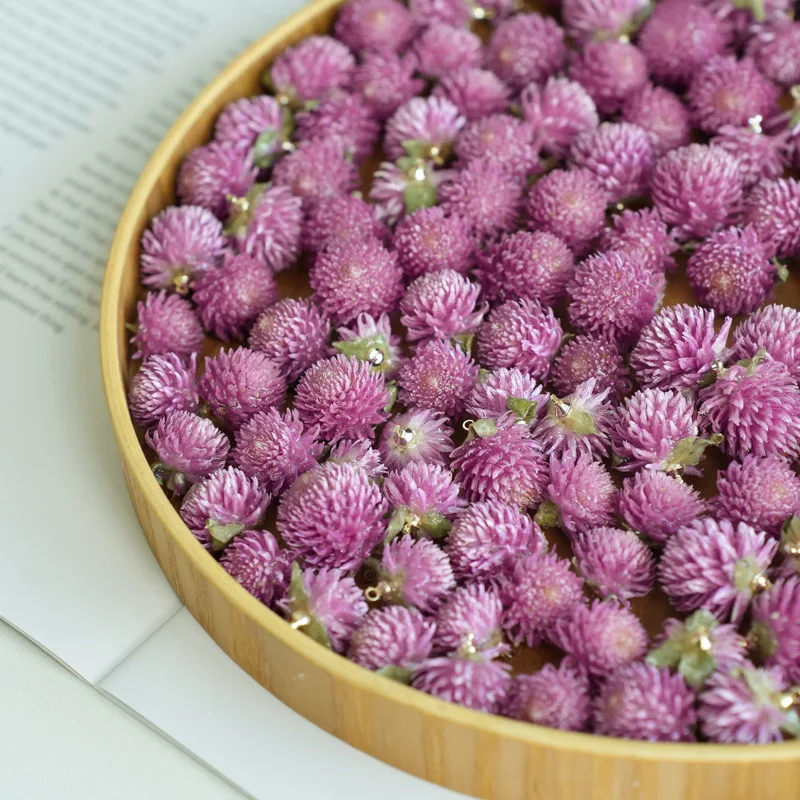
[
  {"x": 413, "y": 572},
  {"x": 760, "y": 155},
  {"x": 488, "y": 538},
  {"x": 180, "y": 244},
  {"x": 502, "y": 139},
  {"x": 715, "y": 565},
  {"x": 276, "y": 448},
  {"x": 610, "y": 71},
  {"x": 485, "y": 196},
  {"x": 731, "y": 272},
  {"x": 614, "y": 294},
  {"x": 775, "y": 49},
  {"x": 441, "y": 305},
  {"x": 476, "y": 93},
  {"x": 256, "y": 562},
  {"x": 311, "y": 71},
  {"x": 697, "y": 189},
  {"x": 341, "y": 219},
  {"x": 188, "y": 448},
  {"x": 332, "y": 516},
  {"x": 258, "y": 125},
  {"x": 600, "y": 638},
  {"x": 641, "y": 701},
  {"x": 429, "y": 241},
  {"x": 356, "y": 277},
  {"x": 520, "y": 334},
  {"x": 658, "y": 505},
  {"x": 230, "y": 299},
  {"x": 697, "y": 647},
  {"x": 372, "y": 340},
  {"x": 344, "y": 396},
  {"x": 439, "y": 377},
  {"x": 317, "y": 170},
  {"x": 423, "y": 436},
  {"x": 469, "y": 622},
  {"x": 679, "y": 348},
  {"x": 772, "y": 208},
  {"x": 662, "y": 114},
  {"x": 501, "y": 462},
  {"x": 239, "y": 383},
  {"x": 615, "y": 563},
  {"x": 374, "y": 25},
  {"x": 360, "y": 454},
  {"x": 456, "y": 13},
  {"x": 504, "y": 390},
  {"x": 429, "y": 125},
  {"x": 763, "y": 492},
  {"x": 678, "y": 39},
  {"x": 166, "y": 323},
  {"x": 293, "y": 333},
  {"x": 619, "y": 155},
  {"x": 222, "y": 505},
  {"x": 748, "y": 705},
  {"x": 580, "y": 422},
  {"x": 727, "y": 91},
  {"x": 533, "y": 266},
  {"x": 580, "y": 495},
  {"x": 556, "y": 697},
  {"x": 775, "y": 625},
  {"x": 385, "y": 81},
  {"x": 558, "y": 112},
  {"x": 588, "y": 356},
  {"x": 325, "y": 605},
  {"x": 588, "y": 20},
  {"x": 570, "y": 204},
  {"x": 642, "y": 235},
  {"x": 756, "y": 407},
  {"x": 475, "y": 683},
  {"x": 163, "y": 384},
  {"x": 527, "y": 48},
  {"x": 212, "y": 172},
  {"x": 267, "y": 225},
  {"x": 392, "y": 640},
  {"x": 442, "y": 48},
  {"x": 776, "y": 328},
  {"x": 541, "y": 590}
]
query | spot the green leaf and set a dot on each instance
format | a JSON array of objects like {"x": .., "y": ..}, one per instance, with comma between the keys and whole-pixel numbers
[
  {"x": 316, "y": 631},
  {"x": 483, "y": 374},
  {"x": 391, "y": 388},
  {"x": 688, "y": 452},
  {"x": 465, "y": 341},
  {"x": 790, "y": 537},
  {"x": 548, "y": 515},
  {"x": 221, "y": 535},
  {"x": 667, "y": 655},
  {"x": 781, "y": 270},
  {"x": 407, "y": 164},
  {"x": 374, "y": 351},
  {"x": 755, "y": 7},
  {"x": 483, "y": 428},
  {"x": 396, "y": 524},
  {"x": 763, "y": 639},
  {"x": 394, "y": 673},
  {"x": 420, "y": 194},
  {"x": 524, "y": 409},
  {"x": 435, "y": 525},
  {"x": 750, "y": 364},
  {"x": 297, "y": 589},
  {"x": 418, "y": 149}
]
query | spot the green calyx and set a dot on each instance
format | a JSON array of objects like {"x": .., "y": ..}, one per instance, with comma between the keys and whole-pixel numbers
[
  {"x": 790, "y": 541},
  {"x": 580, "y": 422},
  {"x": 781, "y": 270},
  {"x": 763, "y": 640},
  {"x": 548, "y": 515},
  {"x": 423, "y": 150},
  {"x": 420, "y": 191},
  {"x": 374, "y": 350},
  {"x": 482, "y": 428},
  {"x": 526, "y": 410},
  {"x": 172, "y": 480},
  {"x": 273, "y": 142},
  {"x": 755, "y": 7},
  {"x": 751, "y": 364},
  {"x": 241, "y": 209},
  {"x": 301, "y": 617},
  {"x": 464, "y": 341},
  {"x": 221, "y": 534},
  {"x": 431, "y": 524},
  {"x": 688, "y": 452},
  {"x": 748, "y": 577},
  {"x": 391, "y": 391},
  {"x": 395, "y": 673}
]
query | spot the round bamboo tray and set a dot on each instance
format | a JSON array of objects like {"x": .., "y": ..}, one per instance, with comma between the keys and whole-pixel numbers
[{"x": 467, "y": 751}]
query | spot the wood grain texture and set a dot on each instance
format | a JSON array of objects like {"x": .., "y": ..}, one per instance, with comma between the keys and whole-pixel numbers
[{"x": 474, "y": 753}]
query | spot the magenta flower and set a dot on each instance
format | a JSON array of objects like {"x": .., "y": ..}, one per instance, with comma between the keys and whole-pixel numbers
[
  {"x": 469, "y": 622},
  {"x": 166, "y": 323},
  {"x": 760, "y": 155},
  {"x": 601, "y": 19},
  {"x": 359, "y": 454},
  {"x": 163, "y": 384},
  {"x": 256, "y": 562},
  {"x": 775, "y": 629},
  {"x": 776, "y": 328},
  {"x": 385, "y": 81},
  {"x": 772, "y": 208},
  {"x": 587, "y": 356},
  {"x": 416, "y": 437},
  {"x": 475, "y": 683},
  {"x": 341, "y": 219},
  {"x": 456, "y": 13},
  {"x": 374, "y": 25},
  {"x": 775, "y": 49},
  {"x": 443, "y": 48},
  {"x": 372, "y": 340},
  {"x": 256, "y": 125},
  {"x": 476, "y": 93},
  {"x": 642, "y": 235},
  {"x": 504, "y": 390},
  {"x": 502, "y": 139},
  {"x": 662, "y": 114},
  {"x": 431, "y": 124},
  {"x": 393, "y": 637}
]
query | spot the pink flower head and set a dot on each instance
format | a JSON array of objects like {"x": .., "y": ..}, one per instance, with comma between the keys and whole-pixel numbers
[
  {"x": 534, "y": 266},
  {"x": 542, "y": 589},
  {"x": 610, "y": 71},
  {"x": 416, "y": 437},
  {"x": 502, "y": 139},
  {"x": 775, "y": 49},
  {"x": 488, "y": 538},
  {"x": 212, "y": 172},
  {"x": 521, "y": 334},
  {"x": 345, "y": 116},
  {"x": 504, "y": 390},
  {"x": 662, "y": 114},
  {"x": 776, "y": 328},
  {"x": 586, "y": 20},
  {"x": 456, "y": 13},
  {"x": 374, "y": 25},
  {"x": 570, "y": 204},
  {"x": 679, "y": 348},
  {"x": 714, "y": 565},
  {"x": 475, "y": 92},
  {"x": 600, "y": 638},
  {"x": 163, "y": 383},
  {"x": 527, "y": 48},
  {"x": 360, "y": 454},
  {"x": 188, "y": 448},
  {"x": 756, "y": 408},
  {"x": 775, "y": 629},
  {"x": 223, "y": 505},
  {"x": 475, "y": 683},
  {"x": 501, "y": 462},
  {"x": 588, "y": 356},
  {"x": 181, "y": 244},
  {"x": 697, "y": 189},
  {"x": 641, "y": 701},
  {"x": 469, "y": 622},
  {"x": 760, "y": 155},
  {"x": 372, "y": 340},
  {"x": 580, "y": 495},
  {"x": 429, "y": 241},
  {"x": 332, "y": 516},
  {"x": 356, "y": 277},
  {"x": 165, "y": 323},
  {"x": 658, "y": 505},
  {"x": 439, "y": 377},
  {"x": 580, "y": 422},
  {"x": 392, "y": 637},
  {"x": 230, "y": 299},
  {"x": 276, "y": 448},
  {"x": 643, "y": 235},
  {"x": 556, "y": 697},
  {"x": 341, "y": 219},
  {"x": 442, "y": 48},
  {"x": 312, "y": 71},
  {"x": 256, "y": 562},
  {"x": 772, "y": 208},
  {"x": 239, "y": 383},
  {"x": 293, "y": 334},
  {"x": 431, "y": 124},
  {"x": 344, "y": 396},
  {"x": 385, "y": 81},
  {"x": 256, "y": 125}
]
